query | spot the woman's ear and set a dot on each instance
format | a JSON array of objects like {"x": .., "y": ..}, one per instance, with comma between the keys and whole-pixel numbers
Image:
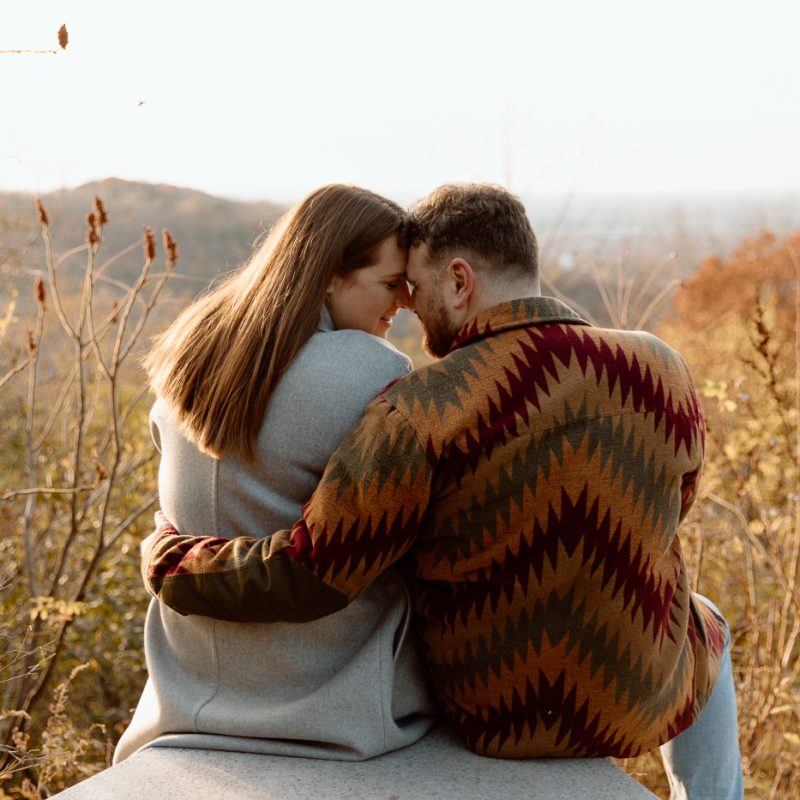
[
  {"x": 461, "y": 278},
  {"x": 337, "y": 281}
]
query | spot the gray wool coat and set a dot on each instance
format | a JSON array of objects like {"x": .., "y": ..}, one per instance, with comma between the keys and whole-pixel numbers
[{"x": 349, "y": 686}]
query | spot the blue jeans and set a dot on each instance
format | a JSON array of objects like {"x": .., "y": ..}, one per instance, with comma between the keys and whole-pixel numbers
[{"x": 703, "y": 762}]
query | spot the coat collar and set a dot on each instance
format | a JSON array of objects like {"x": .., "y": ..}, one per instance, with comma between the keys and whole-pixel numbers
[
  {"x": 325, "y": 320},
  {"x": 517, "y": 314}
]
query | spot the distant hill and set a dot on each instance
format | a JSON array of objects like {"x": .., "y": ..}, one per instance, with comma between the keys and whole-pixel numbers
[
  {"x": 582, "y": 239},
  {"x": 214, "y": 234}
]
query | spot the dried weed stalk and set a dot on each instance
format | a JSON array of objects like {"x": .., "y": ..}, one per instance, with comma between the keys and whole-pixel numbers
[{"x": 80, "y": 489}]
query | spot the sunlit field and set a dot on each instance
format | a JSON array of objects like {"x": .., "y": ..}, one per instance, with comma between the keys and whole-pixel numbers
[{"x": 78, "y": 476}]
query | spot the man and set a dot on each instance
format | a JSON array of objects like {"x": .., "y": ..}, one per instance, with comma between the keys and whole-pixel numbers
[{"x": 533, "y": 479}]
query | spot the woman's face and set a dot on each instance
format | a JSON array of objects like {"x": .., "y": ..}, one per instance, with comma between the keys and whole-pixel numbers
[{"x": 367, "y": 299}]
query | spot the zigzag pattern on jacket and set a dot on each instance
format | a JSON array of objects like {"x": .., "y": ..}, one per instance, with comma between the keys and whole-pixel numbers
[
  {"x": 543, "y": 469},
  {"x": 535, "y": 477}
]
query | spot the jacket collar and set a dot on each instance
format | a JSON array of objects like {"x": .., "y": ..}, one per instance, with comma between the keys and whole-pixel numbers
[
  {"x": 516, "y": 314},
  {"x": 325, "y": 320}
]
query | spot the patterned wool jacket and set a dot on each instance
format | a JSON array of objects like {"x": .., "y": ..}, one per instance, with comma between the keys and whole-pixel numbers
[{"x": 534, "y": 480}]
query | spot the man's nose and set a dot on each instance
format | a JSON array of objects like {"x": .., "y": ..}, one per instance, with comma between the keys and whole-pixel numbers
[
  {"x": 411, "y": 304},
  {"x": 402, "y": 297}
]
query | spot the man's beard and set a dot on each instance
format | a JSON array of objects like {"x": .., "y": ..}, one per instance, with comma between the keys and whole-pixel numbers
[{"x": 439, "y": 333}]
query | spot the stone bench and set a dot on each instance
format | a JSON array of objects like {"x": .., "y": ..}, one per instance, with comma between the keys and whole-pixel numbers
[{"x": 437, "y": 767}]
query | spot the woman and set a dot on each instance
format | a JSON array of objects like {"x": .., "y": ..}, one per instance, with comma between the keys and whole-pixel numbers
[{"x": 257, "y": 383}]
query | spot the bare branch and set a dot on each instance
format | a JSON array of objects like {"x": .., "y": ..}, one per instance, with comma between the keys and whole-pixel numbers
[
  {"x": 551, "y": 287},
  {"x": 35, "y": 339},
  {"x": 116, "y": 358},
  {"x": 145, "y": 314},
  {"x": 149, "y": 501},
  {"x": 45, "y": 490},
  {"x": 654, "y": 303},
  {"x": 14, "y": 371},
  {"x": 54, "y": 412},
  {"x": 51, "y": 271}
]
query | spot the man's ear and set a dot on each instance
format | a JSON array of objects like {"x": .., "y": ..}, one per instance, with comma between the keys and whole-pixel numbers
[{"x": 461, "y": 278}]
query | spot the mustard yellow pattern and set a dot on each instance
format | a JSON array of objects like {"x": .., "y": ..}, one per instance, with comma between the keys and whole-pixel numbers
[{"x": 532, "y": 482}]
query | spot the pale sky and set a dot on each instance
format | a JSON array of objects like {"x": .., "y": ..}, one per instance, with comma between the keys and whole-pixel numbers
[{"x": 267, "y": 100}]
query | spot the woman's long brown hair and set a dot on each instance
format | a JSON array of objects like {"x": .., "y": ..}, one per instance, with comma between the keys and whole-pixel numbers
[{"x": 219, "y": 362}]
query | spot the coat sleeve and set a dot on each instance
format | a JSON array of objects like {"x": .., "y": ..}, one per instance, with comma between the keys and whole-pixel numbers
[{"x": 363, "y": 516}]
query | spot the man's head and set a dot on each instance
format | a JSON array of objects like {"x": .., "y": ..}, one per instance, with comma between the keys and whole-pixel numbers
[{"x": 471, "y": 247}]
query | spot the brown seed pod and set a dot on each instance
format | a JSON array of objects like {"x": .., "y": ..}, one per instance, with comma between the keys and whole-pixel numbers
[
  {"x": 41, "y": 214},
  {"x": 39, "y": 291},
  {"x": 171, "y": 248},
  {"x": 100, "y": 471},
  {"x": 63, "y": 37},
  {"x": 100, "y": 211},
  {"x": 149, "y": 243},
  {"x": 92, "y": 231}
]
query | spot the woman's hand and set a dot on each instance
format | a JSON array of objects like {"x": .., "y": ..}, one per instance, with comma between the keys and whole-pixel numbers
[{"x": 161, "y": 523}]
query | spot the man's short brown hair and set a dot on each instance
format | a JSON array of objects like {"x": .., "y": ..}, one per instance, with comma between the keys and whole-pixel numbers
[{"x": 479, "y": 220}]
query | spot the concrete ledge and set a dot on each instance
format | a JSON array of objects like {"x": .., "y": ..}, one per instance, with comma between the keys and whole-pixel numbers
[{"x": 437, "y": 767}]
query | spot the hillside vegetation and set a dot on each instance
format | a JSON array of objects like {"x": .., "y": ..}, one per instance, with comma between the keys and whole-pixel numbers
[{"x": 78, "y": 470}]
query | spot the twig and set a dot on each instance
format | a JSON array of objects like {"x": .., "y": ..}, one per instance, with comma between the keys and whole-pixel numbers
[
  {"x": 650, "y": 278},
  {"x": 132, "y": 295},
  {"x": 69, "y": 253},
  {"x": 145, "y": 314},
  {"x": 100, "y": 271},
  {"x": 14, "y": 371},
  {"x": 601, "y": 288},
  {"x": 561, "y": 296},
  {"x": 34, "y": 344},
  {"x": 51, "y": 271},
  {"x": 653, "y": 305},
  {"x": 44, "y": 490},
  {"x": 93, "y": 340},
  {"x": 59, "y": 404},
  {"x": 150, "y": 500},
  {"x": 29, "y": 52}
]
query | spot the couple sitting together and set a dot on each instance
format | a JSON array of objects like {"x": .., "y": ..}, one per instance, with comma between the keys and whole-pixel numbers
[{"x": 341, "y": 533}]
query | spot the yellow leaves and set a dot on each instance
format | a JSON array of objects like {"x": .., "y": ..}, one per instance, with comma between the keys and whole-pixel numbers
[
  {"x": 8, "y": 315},
  {"x": 736, "y": 546},
  {"x": 54, "y": 608},
  {"x": 793, "y": 739},
  {"x": 731, "y": 451},
  {"x": 715, "y": 389},
  {"x": 718, "y": 390}
]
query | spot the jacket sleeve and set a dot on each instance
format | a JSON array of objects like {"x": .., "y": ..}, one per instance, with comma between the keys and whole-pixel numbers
[
  {"x": 363, "y": 516},
  {"x": 695, "y": 439}
]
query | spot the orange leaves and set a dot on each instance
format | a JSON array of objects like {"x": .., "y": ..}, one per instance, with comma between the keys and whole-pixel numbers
[{"x": 760, "y": 266}]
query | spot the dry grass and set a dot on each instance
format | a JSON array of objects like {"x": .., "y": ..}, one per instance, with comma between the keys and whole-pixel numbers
[{"x": 742, "y": 540}]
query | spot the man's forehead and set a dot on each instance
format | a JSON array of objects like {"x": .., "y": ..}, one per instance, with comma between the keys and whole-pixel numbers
[{"x": 417, "y": 261}]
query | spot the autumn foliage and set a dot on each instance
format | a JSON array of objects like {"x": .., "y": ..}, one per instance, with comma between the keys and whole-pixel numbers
[
  {"x": 737, "y": 328},
  {"x": 78, "y": 472}
]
